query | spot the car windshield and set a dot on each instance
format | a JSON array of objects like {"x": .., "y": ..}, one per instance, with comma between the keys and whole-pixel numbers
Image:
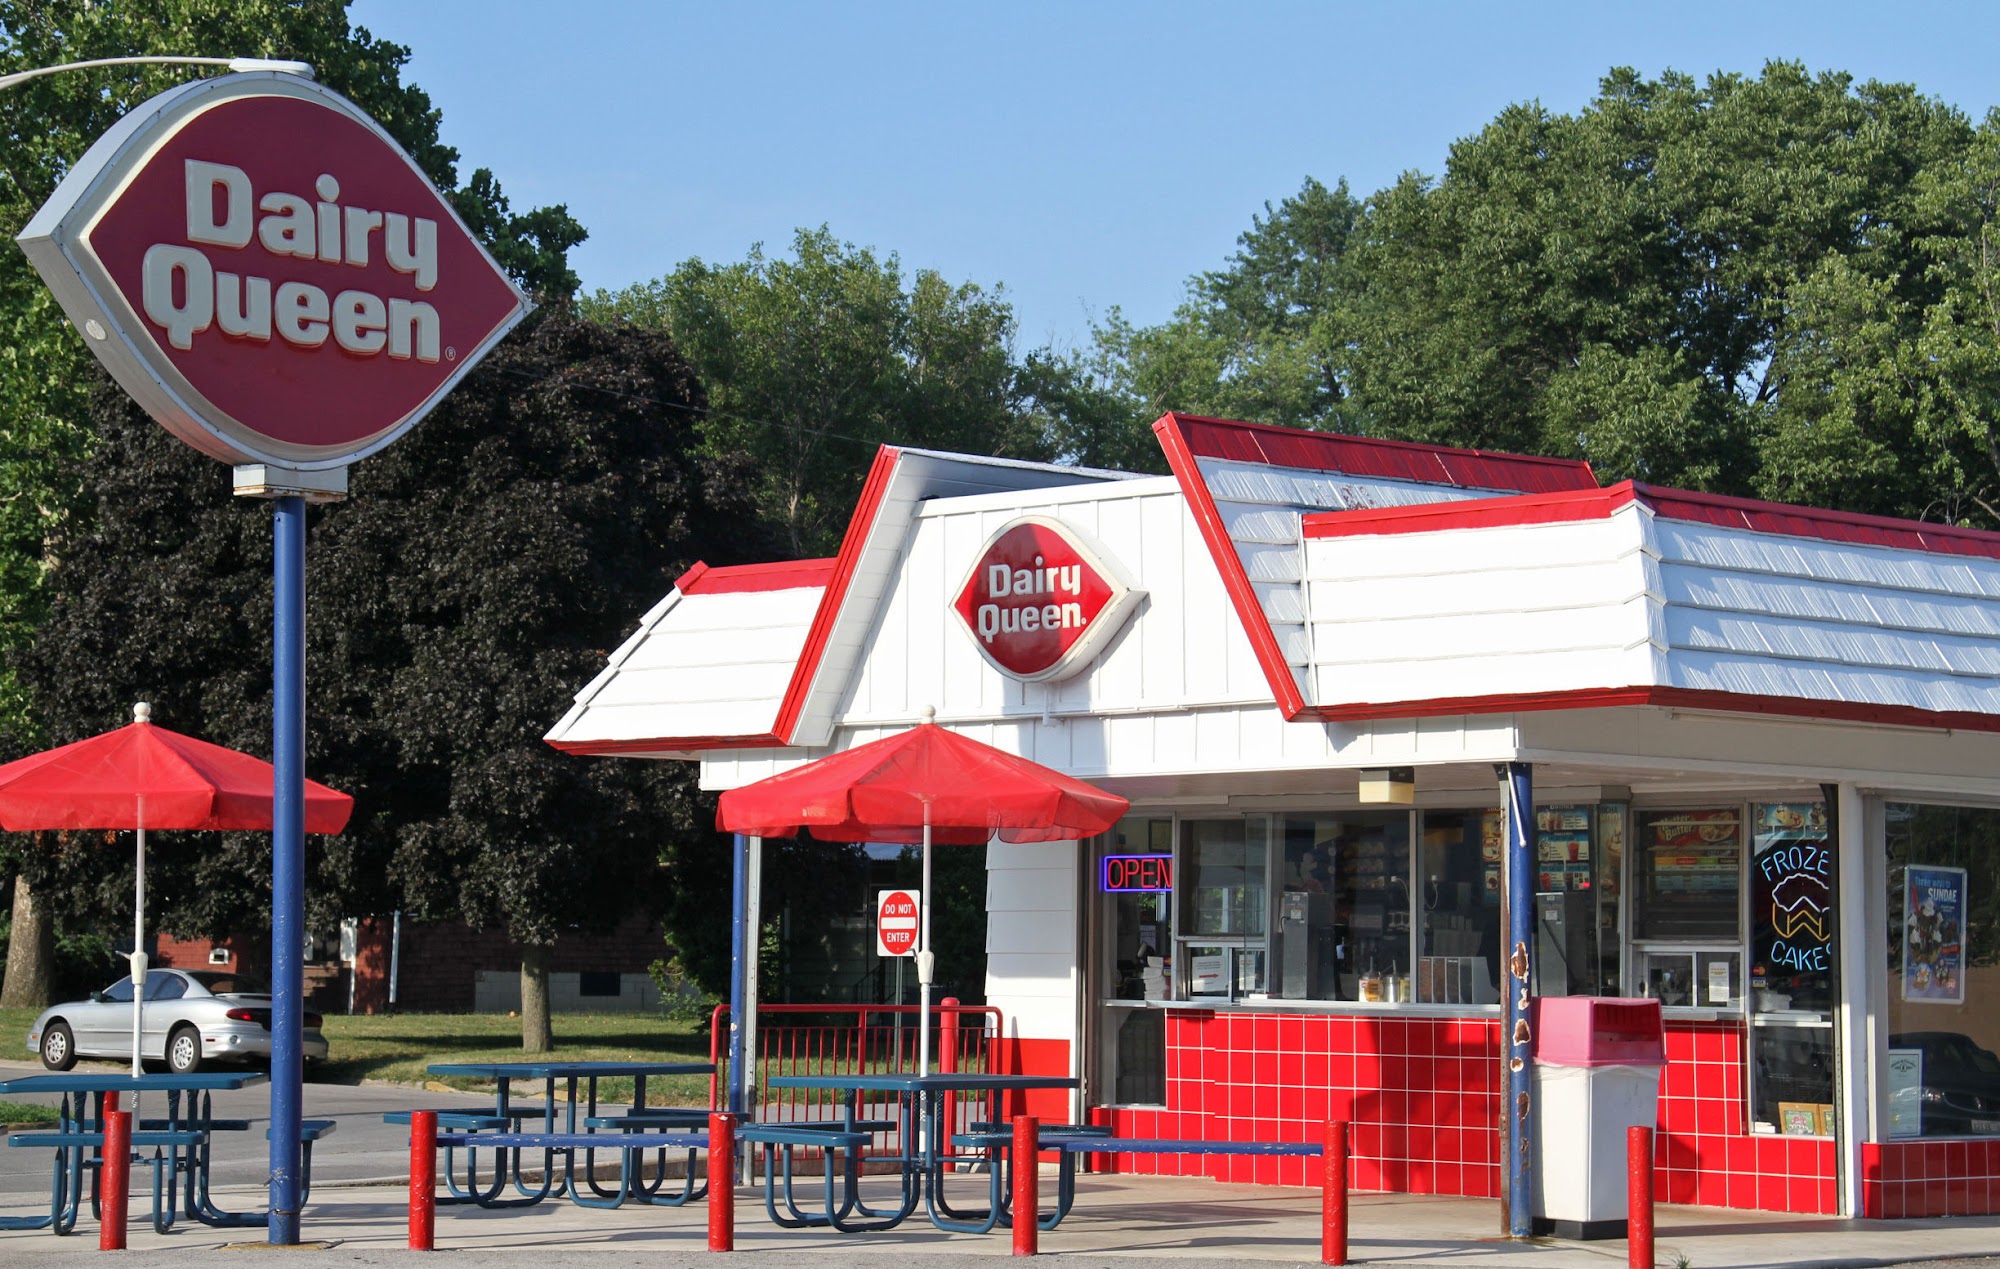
[{"x": 219, "y": 984}]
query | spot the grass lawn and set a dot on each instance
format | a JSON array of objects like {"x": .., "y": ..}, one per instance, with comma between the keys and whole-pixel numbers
[
  {"x": 398, "y": 1047},
  {"x": 13, "y": 1114}
]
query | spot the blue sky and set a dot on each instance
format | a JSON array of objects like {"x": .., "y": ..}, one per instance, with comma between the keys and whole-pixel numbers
[{"x": 1085, "y": 155}]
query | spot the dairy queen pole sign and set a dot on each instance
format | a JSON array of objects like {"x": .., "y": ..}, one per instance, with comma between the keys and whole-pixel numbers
[{"x": 278, "y": 284}]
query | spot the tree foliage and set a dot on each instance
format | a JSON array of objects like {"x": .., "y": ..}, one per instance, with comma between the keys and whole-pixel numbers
[
  {"x": 480, "y": 573},
  {"x": 1778, "y": 285},
  {"x": 813, "y": 361},
  {"x": 47, "y": 123}
]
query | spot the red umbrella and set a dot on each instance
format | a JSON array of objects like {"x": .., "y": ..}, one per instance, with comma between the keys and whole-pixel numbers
[
  {"x": 140, "y": 777},
  {"x": 923, "y": 785}
]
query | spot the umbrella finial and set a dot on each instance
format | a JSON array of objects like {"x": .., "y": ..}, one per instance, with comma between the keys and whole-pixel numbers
[
  {"x": 142, "y": 713},
  {"x": 928, "y": 714}
]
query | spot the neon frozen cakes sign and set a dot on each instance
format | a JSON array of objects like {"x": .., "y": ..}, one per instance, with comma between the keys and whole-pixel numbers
[{"x": 1040, "y": 601}]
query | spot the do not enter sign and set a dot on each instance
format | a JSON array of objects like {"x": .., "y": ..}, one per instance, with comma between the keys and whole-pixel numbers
[{"x": 896, "y": 914}]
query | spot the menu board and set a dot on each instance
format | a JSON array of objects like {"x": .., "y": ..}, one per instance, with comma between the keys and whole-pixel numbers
[
  {"x": 1562, "y": 848},
  {"x": 1691, "y": 866},
  {"x": 1492, "y": 843}
]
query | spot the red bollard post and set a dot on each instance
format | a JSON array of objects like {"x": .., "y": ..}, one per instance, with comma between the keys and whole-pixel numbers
[
  {"x": 116, "y": 1195},
  {"x": 423, "y": 1180},
  {"x": 1027, "y": 1171},
  {"x": 1639, "y": 1198},
  {"x": 722, "y": 1182},
  {"x": 1100, "y": 1117},
  {"x": 1333, "y": 1194},
  {"x": 947, "y": 1036}
]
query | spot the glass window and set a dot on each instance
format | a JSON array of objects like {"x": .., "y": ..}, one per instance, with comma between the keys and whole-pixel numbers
[
  {"x": 1225, "y": 905},
  {"x": 1690, "y": 874},
  {"x": 1566, "y": 935},
  {"x": 1371, "y": 902},
  {"x": 160, "y": 985},
  {"x": 1139, "y": 959},
  {"x": 1136, "y": 956},
  {"x": 1944, "y": 970},
  {"x": 1610, "y": 886},
  {"x": 119, "y": 991},
  {"x": 1458, "y": 908},
  {"x": 1793, "y": 968}
]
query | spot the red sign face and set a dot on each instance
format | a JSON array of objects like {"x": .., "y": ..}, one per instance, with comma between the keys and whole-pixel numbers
[
  {"x": 268, "y": 273},
  {"x": 896, "y": 923},
  {"x": 1039, "y": 601}
]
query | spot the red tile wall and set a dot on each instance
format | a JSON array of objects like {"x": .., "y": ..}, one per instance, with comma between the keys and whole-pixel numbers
[
  {"x": 1422, "y": 1096},
  {"x": 1902, "y": 1179}
]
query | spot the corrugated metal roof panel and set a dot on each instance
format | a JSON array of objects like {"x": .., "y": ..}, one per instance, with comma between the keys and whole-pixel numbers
[
  {"x": 1744, "y": 551},
  {"x": 1854, "y": 646},
  {"x": 706, "y": 665}
]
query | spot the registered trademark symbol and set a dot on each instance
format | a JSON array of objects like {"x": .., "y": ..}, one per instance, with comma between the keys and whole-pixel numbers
[{"x": 451, "y": 354}]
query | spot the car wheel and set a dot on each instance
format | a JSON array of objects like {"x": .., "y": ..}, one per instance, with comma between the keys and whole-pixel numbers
[
  {"x": 184, "y": 1051},
  {"x": 58, "y": 1047}
]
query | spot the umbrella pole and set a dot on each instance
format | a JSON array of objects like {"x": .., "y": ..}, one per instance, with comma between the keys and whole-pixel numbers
[
  {"x": 138, "y": 962},
  {"x": 925, "y": 960}
]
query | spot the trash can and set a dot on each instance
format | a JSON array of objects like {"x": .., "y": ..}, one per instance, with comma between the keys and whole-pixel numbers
[{"x": 1596, "y": 1074}]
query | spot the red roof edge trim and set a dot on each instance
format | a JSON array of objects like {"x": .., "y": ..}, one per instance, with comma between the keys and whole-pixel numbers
[
  {"x": 1665, "y": 697},
  {"x": 678, "y": 744},
  {"x": 873, "y": 490},
  {"x": 1181, "y": 460},
  {"x": 1725, "y": 511},
  {"x": 1368, "y": 456},
  {"x": 743, "y": 578},
  {"x": 1476, "y": 513}
]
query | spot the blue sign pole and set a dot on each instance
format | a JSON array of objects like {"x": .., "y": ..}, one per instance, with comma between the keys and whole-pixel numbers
[
  {"x": 1517, "y": 802},
  {"x": 288, "y": 864}
]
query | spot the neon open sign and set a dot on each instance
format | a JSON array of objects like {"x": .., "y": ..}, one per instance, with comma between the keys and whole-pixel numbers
[{"x": 1128, "y": 874}]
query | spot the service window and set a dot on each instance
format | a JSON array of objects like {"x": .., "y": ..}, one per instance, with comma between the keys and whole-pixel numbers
[
  {"x": 1134, "y": 879},
  {"x": 1225, "y": 906},
  {"x": 1458, "y": 909}
]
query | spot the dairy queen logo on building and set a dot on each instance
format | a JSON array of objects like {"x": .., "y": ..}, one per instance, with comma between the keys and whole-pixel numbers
[{"x": 1041, "y": 601}]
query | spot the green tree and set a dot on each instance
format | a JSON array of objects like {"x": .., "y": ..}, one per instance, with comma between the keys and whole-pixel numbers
[
  {"x": 481, "y": 571},
  {"x": 1762, "y": 284},
  {"x": 813, "y": 361},
  {"x": 45, "y": 125},
  {"x": 1264, "y": 338}
]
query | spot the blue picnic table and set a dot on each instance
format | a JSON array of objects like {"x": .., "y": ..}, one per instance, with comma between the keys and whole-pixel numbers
[
  {"x": 181, "y": 1141},
  {"x": 925, "y": 1152},
  {"x": 577, "y": 1111}
]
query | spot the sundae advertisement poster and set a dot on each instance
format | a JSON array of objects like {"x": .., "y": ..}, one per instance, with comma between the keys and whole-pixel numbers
[{"x": 1933, "y": 935}]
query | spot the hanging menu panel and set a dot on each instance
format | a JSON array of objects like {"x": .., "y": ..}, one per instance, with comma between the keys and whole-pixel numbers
[{"x": 1691, "y": 872}]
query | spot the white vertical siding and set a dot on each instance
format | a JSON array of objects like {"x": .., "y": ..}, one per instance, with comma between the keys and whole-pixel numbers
[
  {"x": 1182, "y": 647},
  {"x": 1032, "y": 968}
]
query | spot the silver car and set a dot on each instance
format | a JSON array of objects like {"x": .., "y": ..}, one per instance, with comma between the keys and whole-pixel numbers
[{"x": 193, "y": 1017}]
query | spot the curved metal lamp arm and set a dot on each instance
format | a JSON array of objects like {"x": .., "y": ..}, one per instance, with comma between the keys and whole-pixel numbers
[{"x": 232, "y": 63}]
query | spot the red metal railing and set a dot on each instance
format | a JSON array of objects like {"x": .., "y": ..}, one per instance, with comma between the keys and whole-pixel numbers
[{"x": 854, "y": 1040}]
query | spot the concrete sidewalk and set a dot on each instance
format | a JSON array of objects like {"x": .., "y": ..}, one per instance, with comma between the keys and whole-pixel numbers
[{"x": 1121, "y": 1222}]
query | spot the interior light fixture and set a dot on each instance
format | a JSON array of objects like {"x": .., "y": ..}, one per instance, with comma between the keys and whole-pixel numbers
[{"x": 1389, "y": 784}]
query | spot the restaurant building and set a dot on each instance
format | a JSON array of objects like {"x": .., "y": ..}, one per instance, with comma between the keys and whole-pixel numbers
[{"x": 1763, "y": 741}]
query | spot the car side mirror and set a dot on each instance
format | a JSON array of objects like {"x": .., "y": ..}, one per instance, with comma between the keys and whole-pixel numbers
[{"x": 98, "y": 997}]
